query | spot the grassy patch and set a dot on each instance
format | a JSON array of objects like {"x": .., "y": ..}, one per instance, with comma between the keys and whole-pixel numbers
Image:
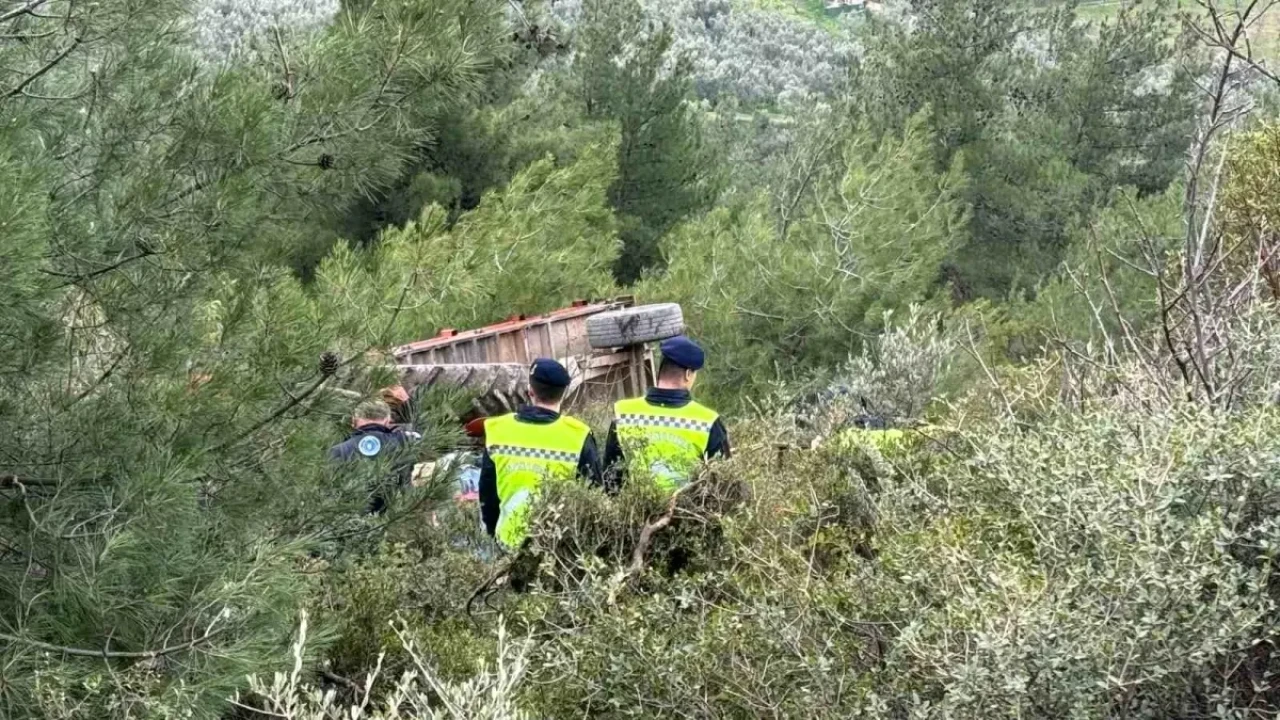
[{"x": 811, "y": 10}]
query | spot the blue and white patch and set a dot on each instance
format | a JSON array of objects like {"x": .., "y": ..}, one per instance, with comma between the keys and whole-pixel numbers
[{"x": 369, "y": 446}]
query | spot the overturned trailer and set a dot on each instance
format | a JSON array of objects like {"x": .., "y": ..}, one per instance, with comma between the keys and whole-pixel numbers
[{"x": 604, "y": 346}]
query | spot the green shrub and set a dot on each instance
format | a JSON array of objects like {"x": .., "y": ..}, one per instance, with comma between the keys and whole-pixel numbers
[
  {"x": 1109, "y": 563},
  {"x": 416, "y": 585}
]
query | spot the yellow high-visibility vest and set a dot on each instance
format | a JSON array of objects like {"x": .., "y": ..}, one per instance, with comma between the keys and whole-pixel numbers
[
  {"x": 667, "y": 443},
  {"x": 524, "y": 454}
]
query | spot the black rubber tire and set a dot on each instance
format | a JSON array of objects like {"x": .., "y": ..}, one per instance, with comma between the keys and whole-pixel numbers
[
  {"x": 500, "y": 389},
  {"x": 635, "y": 325}
]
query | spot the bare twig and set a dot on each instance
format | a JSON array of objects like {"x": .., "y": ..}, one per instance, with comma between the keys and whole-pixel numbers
[
  {"x": 345, "y": 682},
  {"x": 81, "y": 277},
  {"x": 972, "y": 351},
  {"x": 487, "y": 587}
]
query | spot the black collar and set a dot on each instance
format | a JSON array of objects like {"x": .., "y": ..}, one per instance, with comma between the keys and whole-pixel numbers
[
  {"x": 667, "y": 398},
  {"x": 535, "y": 414}
]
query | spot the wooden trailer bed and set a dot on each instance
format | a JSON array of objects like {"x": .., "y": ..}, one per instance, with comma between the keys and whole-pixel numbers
[{"x": 494, "y": 359}]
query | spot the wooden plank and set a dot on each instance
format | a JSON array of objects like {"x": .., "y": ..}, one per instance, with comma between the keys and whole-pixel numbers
[
  {"x": 575, "y": 336},
  {"x": 549, "y": 340},
  {"x": 564, "y": 338},
  {"x": 488, "y": 349},
  {"x": 506, "y": 351},
  {"x": 537, "y": 344},
  {"x": 596, "y": 373},
  {"x": 608, "y": 360}
]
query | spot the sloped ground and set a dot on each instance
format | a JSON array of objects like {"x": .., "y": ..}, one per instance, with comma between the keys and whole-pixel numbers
[{"x": 991, "y": 571}]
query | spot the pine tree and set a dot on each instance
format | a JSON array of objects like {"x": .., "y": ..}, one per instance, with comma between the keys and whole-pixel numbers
[
  {"x": 546, "y": 239},
  {"x": 665, "y": 169},
  {"x": 162, "y": 420},
  {"x": 1047, "y": 113},
  {"x": 773, "y": 306}
]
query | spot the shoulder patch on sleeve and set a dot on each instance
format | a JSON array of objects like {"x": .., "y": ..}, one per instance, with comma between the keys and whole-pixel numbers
[{"x": 369, "y": 445}]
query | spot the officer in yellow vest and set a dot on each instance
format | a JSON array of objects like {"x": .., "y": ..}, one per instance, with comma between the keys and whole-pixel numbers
[
  {"x": 665, "y": 434},
  {"x": 524, "y": 448}
]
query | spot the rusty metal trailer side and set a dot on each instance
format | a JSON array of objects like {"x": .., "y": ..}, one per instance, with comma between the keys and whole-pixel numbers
[
  {"x": 519, "y": 339},
  {"x": 484, "y": 358}
]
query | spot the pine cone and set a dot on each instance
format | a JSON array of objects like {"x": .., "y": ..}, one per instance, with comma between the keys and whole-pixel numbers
[
  {"x": 325, "y": 162},
  {"x": 329, "y": 363}
]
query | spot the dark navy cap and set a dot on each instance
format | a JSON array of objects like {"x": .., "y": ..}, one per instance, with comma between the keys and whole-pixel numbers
[
  {"x": 683, "y": 352},
  {"x": 549, "y": 372}
]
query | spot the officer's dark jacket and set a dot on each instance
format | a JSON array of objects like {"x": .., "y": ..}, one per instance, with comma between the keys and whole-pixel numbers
[
  {"x": 717, "y": 443},
  {"x": 491, "y": 505},
  {"x": 391, "y": 442}
]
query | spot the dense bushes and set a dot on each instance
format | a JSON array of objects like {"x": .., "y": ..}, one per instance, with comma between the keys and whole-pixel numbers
[
  {"x": 1126, "y": 572},
  {"x": 1111, "y": 556}
]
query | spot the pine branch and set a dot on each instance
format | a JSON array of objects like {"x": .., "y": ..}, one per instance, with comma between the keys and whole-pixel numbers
[
  {"x": 293, "y": 402},
  {"x": 113, "y": 654},
  {"x": 17, "y": 89},
  {"x": 23, "y": 10},
  {"x": 289, "y": 91},
  {"x": 80, "y": 277},
  {"x": 28, "y": 36}
]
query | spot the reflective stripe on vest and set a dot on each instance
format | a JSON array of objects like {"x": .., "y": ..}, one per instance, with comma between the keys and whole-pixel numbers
[
  {"x": 524, "y": 454},
  {"x": 665, "y": 442}
]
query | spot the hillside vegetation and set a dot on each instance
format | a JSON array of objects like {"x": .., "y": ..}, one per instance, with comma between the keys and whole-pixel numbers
[{"x": 1039, "y": 242}]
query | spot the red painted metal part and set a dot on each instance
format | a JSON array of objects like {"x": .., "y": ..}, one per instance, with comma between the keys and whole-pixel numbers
[
  {"x": 475, "y": 428},
  {"x": 450, "y": 336}
]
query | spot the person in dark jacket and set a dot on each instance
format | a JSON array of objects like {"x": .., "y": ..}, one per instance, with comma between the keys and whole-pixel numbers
[
  {"x": 374, "y": 439},
  {"x": 397, "y": 399},
  {"x": 665, "y": 432},
  {"x": 523, "y": 448}
]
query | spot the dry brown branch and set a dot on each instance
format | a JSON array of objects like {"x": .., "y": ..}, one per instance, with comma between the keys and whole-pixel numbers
[
  {"x": 489, "y": 586},
  {"x": 652, "y": 528}
]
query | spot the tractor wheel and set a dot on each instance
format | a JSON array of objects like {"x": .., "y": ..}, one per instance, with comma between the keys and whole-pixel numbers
[{"x": 636, "y": 325}]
